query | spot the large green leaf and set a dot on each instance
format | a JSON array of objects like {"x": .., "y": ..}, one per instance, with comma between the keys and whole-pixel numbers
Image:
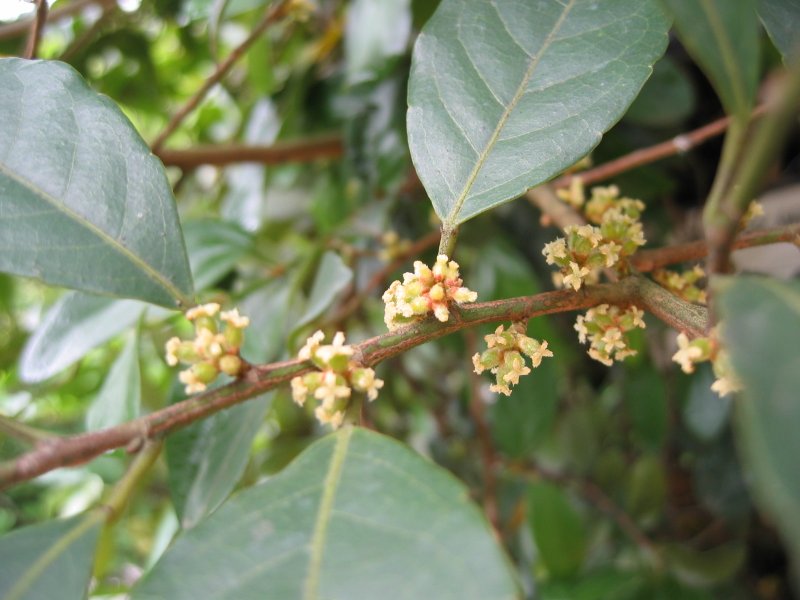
[
  {"x": 505, "y": 94},
  {"x": 73, "y": 326},
  {"x": 781, "y": 19},
  {"x": 357, "y": 515},
  {"x": 119, "y": 398},
  {"x": 50, "y": 560},
  {"x": 215, "y": 248},
  {"x": 557, "y": 529},
  {"x": 762, "y": 329},
  {"x": 85, "y": 204},
  {"x": 722, "y": 37}
]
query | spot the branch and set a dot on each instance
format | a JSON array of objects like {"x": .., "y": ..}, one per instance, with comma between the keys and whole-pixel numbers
[
  {"x": 81, "y": 448},
  {"x": 275, "y": 12},
  {"x": 21, "y": 26},
  {"x": 650, "y": 260},
  {"x": 329, "y": 146},
  {"x": 32, "y": 45},
  {"x": 680, "y": 144}
]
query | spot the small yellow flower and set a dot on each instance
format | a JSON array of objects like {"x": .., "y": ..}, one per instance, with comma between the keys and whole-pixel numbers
[
  {"x": 202, "y": 310},
  {"x": 687, "y": 354}
]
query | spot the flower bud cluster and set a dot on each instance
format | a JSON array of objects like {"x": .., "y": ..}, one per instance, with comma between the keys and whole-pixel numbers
[
  {"x": 616, "y": 233},
  {"x": 333, "y": 383},
  {"x": 683, "y": 285},
  {"x": 604, "y": 327},
  {"x": 393, "y": 246},
  {"x": 503, "y": 356},
  {"x": 212, "y": 351},
  {"x": 698, "y": 350},
  {"x": 423, "y": 291}
]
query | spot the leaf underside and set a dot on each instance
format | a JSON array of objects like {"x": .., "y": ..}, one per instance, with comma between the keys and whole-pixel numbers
[{"x": 505, "y": 94}]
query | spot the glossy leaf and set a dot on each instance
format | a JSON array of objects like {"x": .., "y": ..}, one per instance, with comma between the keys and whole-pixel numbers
[
  {"x": 377, "y": 33},
  {"x": 333, "y": 276},
  {"x": 557, "y": 529},
  {"x": 119, "y": 398},
  {"x": 50, "y": 560},
  {"x": 85, "y": 205},
  {"x": 73, "y": 326},
  {"x": 722, "y": 37},
  {"x": 781, "y": 19},
  {"x": 762, "y": 327},
  {"x": 357, "y": 515},
  {"x": 505, "y": 94}
]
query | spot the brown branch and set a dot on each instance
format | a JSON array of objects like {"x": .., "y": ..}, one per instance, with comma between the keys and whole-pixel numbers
[
  {"x": 275, "y": 12},
  {"x": 329, "y": 146},
  {"x": 21, "y": 26},
  {"x": 37, "y": 26},
  {"x": 650, "y": 260},
  {"x": 81, "y": 448},
  {"x": 596, "y": 497},
  {"x": 678, "y": 145},
  {"x": 556, "y": 211}
]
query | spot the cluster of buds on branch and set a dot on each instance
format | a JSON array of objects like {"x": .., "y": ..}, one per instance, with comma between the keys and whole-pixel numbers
[
  {"x": 212, "y": 351},
  {"x": 605, "y": 328},
  {"x": 426, "y": 290},
  {"x": 614, "y": 233},
  {"x": 683, "y": 285},
  {"x": 333, "y": 383},
  {"x": 503, "y": 356},
  {"x": 698, "y": 350}
]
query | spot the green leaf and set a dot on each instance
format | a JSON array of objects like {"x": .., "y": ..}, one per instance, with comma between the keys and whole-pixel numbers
[
  {"x": 119, "y": 398},
  {"x": 73, "y": 326},
  {"x": 505, "y": 94},
  {"x": 647, "y": 489},
  {"x": 357, "y": 515},
  {"x": 781, "y": 19},
  {"x": 557, "y": 528},
  {"x": 762, "y": 327},
  {"x": 666, "y": 99},
  {"x": 705, "y": 568},
  {"x": 207, "y": 458},
  {"x": 722, "y": 37},
  {"x": 86, "y": 205},
  {"x": 376, "y": 34},
  {"x": 605, "y": 585},
  {"x": 215, "y": 248},
  {"x": 333, "y": 276},
  {"x": 646, "y": 404},
  {"x": 50, "y": 560}
]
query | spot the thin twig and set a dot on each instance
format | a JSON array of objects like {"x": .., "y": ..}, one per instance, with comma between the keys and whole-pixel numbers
[
  {"x": 35, "y": 35},
  {"x": 558, "y": 213},
  {"x": 84, "y": 447},
  {"x": 219, "y": 155},
  {"x": 680, "y": 144},
  {"x": 25, "y": 433},
  {"x": 21, "y": 26},
  {"x": 123, "y": 490},
  {"x": 273, "y": 13},
  {"x": 477, "y": 410}
]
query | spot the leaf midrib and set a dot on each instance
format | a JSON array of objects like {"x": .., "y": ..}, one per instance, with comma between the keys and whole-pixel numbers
[
  {"x": 452, "y": 218},
  {"x": 331, "y": 484},
  {"x": 143, "y": 266}
]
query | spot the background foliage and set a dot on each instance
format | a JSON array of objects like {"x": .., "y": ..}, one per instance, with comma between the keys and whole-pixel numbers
[{"x": 628, "y": 482}]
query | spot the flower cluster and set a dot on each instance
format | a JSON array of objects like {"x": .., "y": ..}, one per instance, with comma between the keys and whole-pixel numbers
[
  {"x": 683, "y": 285},
  {"x": 692, "y": 352},
  {"x": 212, "y": 351},
  {"x": 423, "y": 291},
  {"x": 335, "y": 380},
  {"x": 503, "y": 356},
  {"x": 615, "y": 234},
  {"x": 604, "y": 327}
]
